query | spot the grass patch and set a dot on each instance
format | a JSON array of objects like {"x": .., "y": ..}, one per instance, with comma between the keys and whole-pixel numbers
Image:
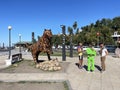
[
  {"x": 28, "y": 66},
  {"x": 59, "y": 53},
  {"x": 66, "y": 85},
  {"x": 36, "y": 82},
  {"x": 12, "y": 66},
  {"x": 39, "y": 82}
]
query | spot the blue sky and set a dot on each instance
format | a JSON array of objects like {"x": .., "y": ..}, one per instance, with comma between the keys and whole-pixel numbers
[{"x": 27, "y": 16}]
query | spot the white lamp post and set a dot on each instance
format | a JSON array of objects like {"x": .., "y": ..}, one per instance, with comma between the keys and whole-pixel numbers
[{"x": 9, "y": 28}]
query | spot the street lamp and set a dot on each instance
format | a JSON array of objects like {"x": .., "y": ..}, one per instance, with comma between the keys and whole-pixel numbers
[
  {"x": 9, "y": 28},
  {"x": 63, "y": 43},
  {"x": 20, "y": 43}
]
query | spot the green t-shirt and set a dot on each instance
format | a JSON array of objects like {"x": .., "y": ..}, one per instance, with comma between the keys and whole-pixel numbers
[{"x": 91, "y": 52}]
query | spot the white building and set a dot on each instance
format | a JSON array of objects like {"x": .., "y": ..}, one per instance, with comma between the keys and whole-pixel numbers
[{"x": 116, "y": 37}]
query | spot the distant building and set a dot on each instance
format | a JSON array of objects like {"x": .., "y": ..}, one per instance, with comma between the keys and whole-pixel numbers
[
  {"x": 116, "y": 36},
  {"x": 22, "y": 44}
]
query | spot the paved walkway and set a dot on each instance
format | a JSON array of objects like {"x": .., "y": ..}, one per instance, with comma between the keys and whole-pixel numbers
[{"x": 79, "y": 79}]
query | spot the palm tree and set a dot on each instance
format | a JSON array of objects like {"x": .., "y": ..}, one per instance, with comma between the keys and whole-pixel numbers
[
  {"x": 70, "y": 30},
  {"x": 75, "y": 25}
]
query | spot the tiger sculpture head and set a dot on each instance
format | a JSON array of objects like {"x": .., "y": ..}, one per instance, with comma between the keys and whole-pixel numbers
[{"x": 47, "y": 34}]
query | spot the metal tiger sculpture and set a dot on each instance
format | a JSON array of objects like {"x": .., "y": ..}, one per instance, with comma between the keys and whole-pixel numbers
[{"x": 42, "y": 45}]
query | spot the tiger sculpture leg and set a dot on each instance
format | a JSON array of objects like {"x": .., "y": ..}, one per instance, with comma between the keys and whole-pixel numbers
[
  {"x": 47, "y": 50},
  {"x": 35, "y": 52},
  {"x": 49, "y": 58}
]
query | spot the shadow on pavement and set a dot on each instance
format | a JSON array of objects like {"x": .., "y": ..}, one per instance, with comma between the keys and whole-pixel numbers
[
  {"x": 77, "y": 64},
  {"x": 85, "y": 67},
  {"x": 98, "y": 67}
]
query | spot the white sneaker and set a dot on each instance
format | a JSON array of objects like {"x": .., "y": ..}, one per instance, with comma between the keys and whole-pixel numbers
[
  {"x": 102, "y": 71},
  {"x": 88, "y": 71}
]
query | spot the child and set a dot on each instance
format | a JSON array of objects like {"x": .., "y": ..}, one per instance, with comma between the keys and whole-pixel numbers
[{"x": 80, "y": 53}]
